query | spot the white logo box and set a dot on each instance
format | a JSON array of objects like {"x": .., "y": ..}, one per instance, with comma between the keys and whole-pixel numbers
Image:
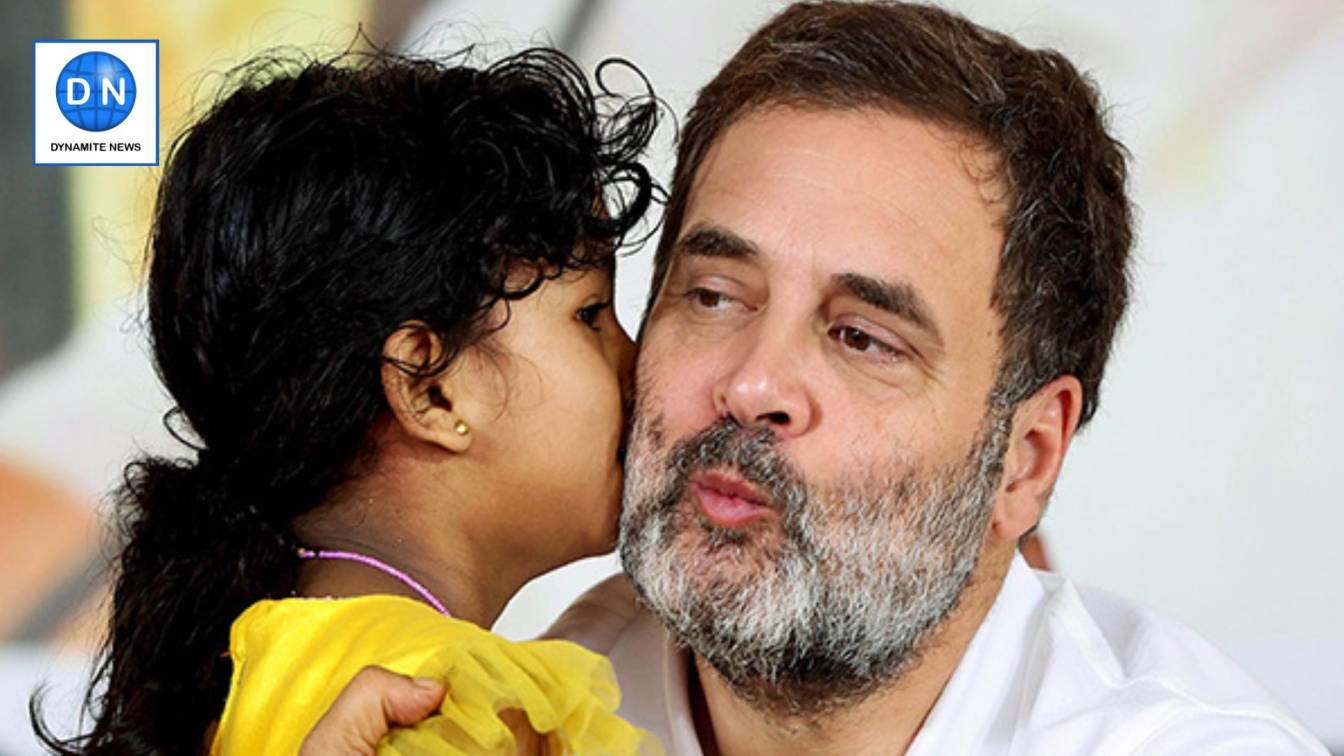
[{"x": 134, "y": 141}]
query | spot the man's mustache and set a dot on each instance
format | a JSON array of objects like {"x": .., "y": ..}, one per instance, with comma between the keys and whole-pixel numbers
[{"x": 750, "y": 451}]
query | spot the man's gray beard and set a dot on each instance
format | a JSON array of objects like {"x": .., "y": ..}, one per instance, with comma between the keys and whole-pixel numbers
[{"x": 830, "y": 609}]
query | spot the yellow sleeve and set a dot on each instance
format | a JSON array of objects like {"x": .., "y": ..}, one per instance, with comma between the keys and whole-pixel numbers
[
  {"x": 568, "y": 694},
  {"x": 292, "y": 658}
]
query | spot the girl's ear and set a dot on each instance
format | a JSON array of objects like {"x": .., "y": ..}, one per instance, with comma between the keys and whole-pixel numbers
[{"x": 428, "y": 408}]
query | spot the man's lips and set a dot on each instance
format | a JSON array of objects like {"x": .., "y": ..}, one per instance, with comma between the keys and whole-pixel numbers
[{"x": 727, "y": 500}]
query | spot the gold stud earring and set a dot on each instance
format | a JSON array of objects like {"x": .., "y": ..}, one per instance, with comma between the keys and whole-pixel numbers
[{"x": 462, "y": 428}]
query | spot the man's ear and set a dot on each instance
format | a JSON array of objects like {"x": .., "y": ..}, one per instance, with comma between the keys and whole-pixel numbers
[
  {"x": 1043, "y": 427},
  {"x": 427, "y": 408}
]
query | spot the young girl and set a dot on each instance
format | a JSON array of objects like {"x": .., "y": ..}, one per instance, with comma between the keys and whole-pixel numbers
[{"x": 380, "y": 294}]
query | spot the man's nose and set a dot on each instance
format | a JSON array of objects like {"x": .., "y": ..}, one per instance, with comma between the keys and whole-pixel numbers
[{"x": 767, "y": 386}]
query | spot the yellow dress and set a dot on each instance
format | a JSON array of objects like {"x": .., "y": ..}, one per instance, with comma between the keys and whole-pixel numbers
[{"x": 293, "y": 656}]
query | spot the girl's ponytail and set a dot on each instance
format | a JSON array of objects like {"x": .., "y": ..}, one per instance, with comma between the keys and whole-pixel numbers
[{"x": 192, "y": 562}]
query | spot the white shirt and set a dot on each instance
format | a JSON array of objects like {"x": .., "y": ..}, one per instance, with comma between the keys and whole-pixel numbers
[{"x": 1055, "y": 668}]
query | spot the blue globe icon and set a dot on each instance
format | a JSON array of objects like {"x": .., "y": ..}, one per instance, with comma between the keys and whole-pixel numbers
[{"x": 95, "y": 91}]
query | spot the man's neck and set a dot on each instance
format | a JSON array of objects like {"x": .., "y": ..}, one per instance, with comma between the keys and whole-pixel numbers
[{"x": 885, "y": 722}]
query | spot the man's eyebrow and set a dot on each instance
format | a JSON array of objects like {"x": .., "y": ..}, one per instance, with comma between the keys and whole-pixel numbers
[
  {"x": 714, "y": 241},
  {"x": 896, "y": 297}
]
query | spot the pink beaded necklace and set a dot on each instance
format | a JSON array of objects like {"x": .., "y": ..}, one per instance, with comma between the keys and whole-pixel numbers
[{"x": 381, "y": 566}]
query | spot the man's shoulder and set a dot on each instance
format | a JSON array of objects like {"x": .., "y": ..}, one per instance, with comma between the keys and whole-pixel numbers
[
  {"x": 599, "y": 617},
  {"x": 1146, "y": 679},
  {"x": 1123, "y": 641}
]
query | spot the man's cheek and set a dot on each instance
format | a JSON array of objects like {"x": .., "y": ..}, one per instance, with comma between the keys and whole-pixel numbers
[{"x": 684, "y": 399}]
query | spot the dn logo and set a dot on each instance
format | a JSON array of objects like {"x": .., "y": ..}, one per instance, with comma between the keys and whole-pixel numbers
[{"x": 95, "y": 91}]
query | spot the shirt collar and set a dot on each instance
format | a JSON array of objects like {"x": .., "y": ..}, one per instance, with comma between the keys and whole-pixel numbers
[{"x": 990, "y": 674}]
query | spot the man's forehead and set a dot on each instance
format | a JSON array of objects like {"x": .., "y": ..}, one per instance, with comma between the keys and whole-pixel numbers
[{"x": 877, "y": 147}]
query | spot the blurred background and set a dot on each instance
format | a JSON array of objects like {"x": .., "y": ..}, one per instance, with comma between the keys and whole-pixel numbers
[{"x": 1206, "y": 486}]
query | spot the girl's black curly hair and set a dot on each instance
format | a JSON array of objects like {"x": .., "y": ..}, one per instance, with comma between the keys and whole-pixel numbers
[{"x": 312, "y": 211}]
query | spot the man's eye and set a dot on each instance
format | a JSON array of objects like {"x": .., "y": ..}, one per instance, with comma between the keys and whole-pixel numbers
[
  {"x": 707, "y": 299},
  {"x": 591, "y": 313},
  {"x": 861, "y": 341}
]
